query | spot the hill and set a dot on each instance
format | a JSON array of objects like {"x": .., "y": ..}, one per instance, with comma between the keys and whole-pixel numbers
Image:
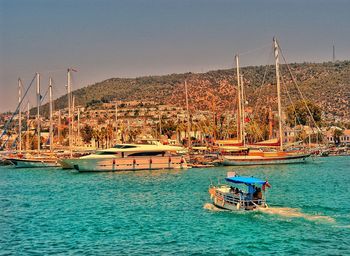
[{"x": 327, "y": 84}]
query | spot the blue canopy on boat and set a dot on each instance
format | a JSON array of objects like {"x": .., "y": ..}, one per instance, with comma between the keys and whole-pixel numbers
[{"x": 245, "y": 180}]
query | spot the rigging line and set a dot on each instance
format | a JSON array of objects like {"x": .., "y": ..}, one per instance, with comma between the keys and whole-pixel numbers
[
  {"x": 14, "y": 144},
  {"x": 16, "y": 111},
  {"x": 263, "y": 81},
  {"x": 259, "y": 90},
  {"x": 43, "y": 98},
  {"x": 290, "y": 99},
  {"x": 301, "y": 94},
  {"x": 58, "y": 92},
  {"x": 54, "y": 70},
  {"x": 24, "y": 107},
  {"x": 255, "y": 50},
  {"x": 294, "y": 108}
]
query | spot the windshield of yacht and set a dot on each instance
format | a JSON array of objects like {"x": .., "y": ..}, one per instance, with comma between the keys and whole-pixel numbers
[
  {"x": 124, "y": 146},
  {"x": 105, "y": 153},
  {"x": 155, "y": 153},
  {"x": 149, "y": 142}
]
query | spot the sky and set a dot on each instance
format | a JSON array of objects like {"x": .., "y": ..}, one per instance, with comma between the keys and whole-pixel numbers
[{"x": 102, "y": 39}]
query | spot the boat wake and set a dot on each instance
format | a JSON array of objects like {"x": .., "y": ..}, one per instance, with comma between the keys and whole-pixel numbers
[
  {"x": 285, "y": 212},
  {"x": 295, "y": 213},
  {"x": 211, "y": 207}
]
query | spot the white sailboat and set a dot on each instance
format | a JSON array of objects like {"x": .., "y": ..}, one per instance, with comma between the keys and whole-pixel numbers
[{"x": 38, "y": 160}]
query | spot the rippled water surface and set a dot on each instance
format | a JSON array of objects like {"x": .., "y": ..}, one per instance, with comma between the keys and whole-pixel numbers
[{"x": 53, "y": 211}]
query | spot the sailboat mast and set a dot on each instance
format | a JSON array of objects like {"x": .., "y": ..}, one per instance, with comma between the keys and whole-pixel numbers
[
  {"x": 116, "y": 121},
  {"x": 78, "y": 127},
  {"x": 19, "y": 115},
  {"x": 28, "y": 115},
  {"x": 188, "y": 117},
  {"x": 160, "y": 125},
  {"x": 73, "y": 116},
  {"x": 270, "y": 124},
  {"x": 51, "y": 124},
  {"x": 239, "y": 114},
  {"x": 278, "y": 92},
  {"x": 59, "y": 127},
  {"x": 243, "y": 111},
  {"x": 38, "y": 100},
  {"x": 69, "y": 111}
]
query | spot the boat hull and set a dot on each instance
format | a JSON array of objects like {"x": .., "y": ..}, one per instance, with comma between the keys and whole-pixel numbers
[
  {"x": 261, "y": 160},
  {"x": 130, "y": 164},
  {"x": 68, "y": 163},
  {"x": 33, "y": 163},
  {"x": 234, "y": 202},
  {"x": 219, "y": 203}
]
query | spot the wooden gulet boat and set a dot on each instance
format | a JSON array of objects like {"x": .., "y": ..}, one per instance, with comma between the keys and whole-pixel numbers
[{"x": 247, "y": 156}]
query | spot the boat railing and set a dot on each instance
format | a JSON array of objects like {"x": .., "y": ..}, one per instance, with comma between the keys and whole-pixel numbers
[
  {"x": 168, "y": 162},
  {"x": 240, "y": 198}
]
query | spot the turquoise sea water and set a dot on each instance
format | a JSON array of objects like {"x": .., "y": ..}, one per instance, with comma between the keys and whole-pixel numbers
[{"x": 53, "y": 211}]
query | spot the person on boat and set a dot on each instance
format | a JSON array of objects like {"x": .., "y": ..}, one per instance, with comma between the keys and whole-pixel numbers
[{"x": 257, "y": 195}]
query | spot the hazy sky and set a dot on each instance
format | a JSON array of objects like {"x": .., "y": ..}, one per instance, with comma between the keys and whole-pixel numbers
[{"x": 129, "y": 38}]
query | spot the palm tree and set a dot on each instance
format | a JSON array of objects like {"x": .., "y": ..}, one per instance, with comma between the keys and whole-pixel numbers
[
  {"x": 109, "y": 134},
  {"x": 337, "y": 133},
  {"x": 103, "y": 136},
  {"x": 96, "y": 137},
  {"x": 254, "y": 131},
  {"x": 134, "y": 132}
]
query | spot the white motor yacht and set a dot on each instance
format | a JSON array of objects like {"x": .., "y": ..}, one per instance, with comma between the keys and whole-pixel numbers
[{"x": 129, "y": 157}]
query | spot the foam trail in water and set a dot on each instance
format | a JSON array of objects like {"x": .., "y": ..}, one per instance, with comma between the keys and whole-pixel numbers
[
  {"x": 346, "y": 226},
  {"x": 212, "y": 207},
  {"x": 295, "y": 213}
]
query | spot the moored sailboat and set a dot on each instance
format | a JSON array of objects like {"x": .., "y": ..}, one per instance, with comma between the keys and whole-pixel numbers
[
  {"x": 40, "y": 160},
  {"x": 259, "y": 155}
]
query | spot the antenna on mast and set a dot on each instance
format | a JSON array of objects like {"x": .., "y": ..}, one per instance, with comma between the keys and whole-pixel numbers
[{"x": 333, "y": 52}]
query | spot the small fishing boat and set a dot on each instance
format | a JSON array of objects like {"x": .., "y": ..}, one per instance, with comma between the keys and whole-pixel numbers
[{"x": 233, "y": 198}]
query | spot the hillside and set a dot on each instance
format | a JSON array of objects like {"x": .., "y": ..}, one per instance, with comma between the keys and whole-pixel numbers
[{"x": 327, "y": 84}]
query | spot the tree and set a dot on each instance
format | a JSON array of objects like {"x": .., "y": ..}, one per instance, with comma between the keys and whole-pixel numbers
[
  {"x": 110, "y": 132},
  {"x": 86, "y": 133},
  {"x": 336, "y": 134},
  {"x": 256, "y": 131},
  {"x": 299, "y": 114},
  {"x": 96, "y": 136},
  {"x": 133, "y": 133},
  {"x": 103, "y": 136},
  {"x": 168, "y": 128}
]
